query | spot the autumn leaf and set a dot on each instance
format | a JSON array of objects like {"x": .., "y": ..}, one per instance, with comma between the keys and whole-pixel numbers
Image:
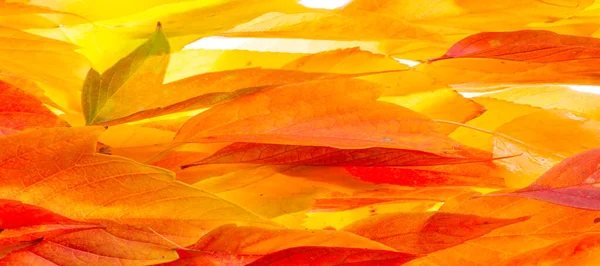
[
  {"x": 94, "y": 246},
  {"x": 206, "y": 90},
  {"x": 469, "y": 174},
  {"x": 552, "y": 97},
  {"x": 111, "y": 34},
  {"x": 572, "y": 182},
  {"x": 334, "y": 256},
  {"x": 270, "y": 132},
  {"x": 544, "y": 228},
  {"x": 472, "y": 14},
  {"x": 305, "y": 120},
  {"x": 61, "y": 156},
  {"x": 425, "y": 232},
  {"x": 329, "y": 25},
  {"x": 526, "y": 45},
  {"x": 23, "y": 225},
  {"x": 544, "y": 138},
  {"x": 103, "y": 96},
  {"x": 254, "y": 243},
  {"x": 22, "y": 111},
  {"x": 255, "y": 153},
  {"x": 578, "y": 250}
]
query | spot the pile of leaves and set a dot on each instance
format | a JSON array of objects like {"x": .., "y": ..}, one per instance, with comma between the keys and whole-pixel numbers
[{"x": 309, "y": 144}]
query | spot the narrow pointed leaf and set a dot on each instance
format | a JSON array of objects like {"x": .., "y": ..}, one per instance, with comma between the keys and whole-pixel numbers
[
  {"x": 422, "y": 233},
  {"x": 275, "y": 154},
  {"x": 573, "y": 182},
  {"x": 333, "y": 256}
]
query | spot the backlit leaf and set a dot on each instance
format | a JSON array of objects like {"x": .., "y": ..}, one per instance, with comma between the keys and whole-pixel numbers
[
  {"x": 333, "y": 256},
  {"x": 20, "y": 111},
  {"x": 572, "y": 182},
  {"x": 94, "y": 246},
  {"x": 275, "y": 154},
  {"x": 422, "y": 233},
  {"x": 543, "y": 138},
  {"x": 302, "y": 119},
  {"x": 58, "y": 167},
  {"x": 109, "y": 95}
]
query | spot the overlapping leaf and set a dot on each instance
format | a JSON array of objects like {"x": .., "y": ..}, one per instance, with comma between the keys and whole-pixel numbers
[
  {"x": 301, "y": 154},
  {"x": 50, "y": 171}
]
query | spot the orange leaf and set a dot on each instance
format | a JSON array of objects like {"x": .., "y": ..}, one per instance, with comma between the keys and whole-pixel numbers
[
  {"x": 441, "y": 104},
  {"x": 473, "y": 14},
  {"x": 580, "y": 250},
  {"x": 333, "y": 256},
  {"x": 472, "y": 174},
  {"x": 208, "y": 89},
  {"x": 331, "y": 26},
  {"x": 21, "y": 223},
  {"x": 573, "y": 182},
  {"x": 497, "y": 113},
  {"x": 90, "y": 247},
  {"x": 422, "y": 233},
  {"x": 553, "y": 97},
  {"x": 347, "y": 61},
  {"x": 53, "y": 168},
  {"x": 544, "y": 138},
  {"x": 293, "y": 115},
  {"x": 259, "y": 188},
  {"x": 20, "y": 111},
  {"x": 57, "y": 65},
  {"x": 548, "y": 224},
  {"x": 253, "y": 242}
]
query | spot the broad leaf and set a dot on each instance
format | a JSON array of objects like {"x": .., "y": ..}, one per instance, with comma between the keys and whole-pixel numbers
[
  {"x": 118, "y": 91},
  {"x": 58, "y": 167},
  {"x": 553, "y": 97},
  {"x": 291, "y": 115},
  {"x": 20, "y": 111}
]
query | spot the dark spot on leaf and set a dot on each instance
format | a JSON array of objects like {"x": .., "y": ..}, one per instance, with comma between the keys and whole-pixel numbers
[{"x": 597, "y": 220}]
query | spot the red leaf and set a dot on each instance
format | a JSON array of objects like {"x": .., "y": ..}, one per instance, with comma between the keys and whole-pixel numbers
[
  {"x": 20, "y": 111},
  {"x": 473, "y": 174},
  {"x": 573, "y": 182},
  {"x": 20, "y": 223},
  {"x": 258, "y": 153},
  {"x": 315, "y": 256},
  {"x": 538, "y": 46}
]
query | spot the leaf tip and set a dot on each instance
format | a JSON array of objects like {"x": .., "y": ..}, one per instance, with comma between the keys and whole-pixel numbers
[{"x": 158, "y": 25}]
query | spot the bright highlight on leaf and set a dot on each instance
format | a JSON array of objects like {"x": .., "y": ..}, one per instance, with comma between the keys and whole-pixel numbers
[{"x": 286, "y": 132}]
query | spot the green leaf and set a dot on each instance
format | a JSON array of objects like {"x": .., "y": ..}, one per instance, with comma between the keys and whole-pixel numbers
[{"x": 129, "y": 86}]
